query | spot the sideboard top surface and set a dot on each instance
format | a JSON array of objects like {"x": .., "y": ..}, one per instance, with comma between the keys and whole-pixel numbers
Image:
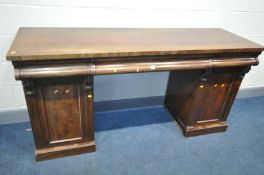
[{"x": 69, "y": 43}]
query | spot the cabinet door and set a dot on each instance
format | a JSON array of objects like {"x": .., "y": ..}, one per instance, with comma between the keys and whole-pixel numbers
[
  {"x": 65, "y": 112},
  {"x": 211, "y": 96}
]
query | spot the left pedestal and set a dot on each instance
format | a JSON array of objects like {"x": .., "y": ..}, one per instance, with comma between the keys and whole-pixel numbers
[{"x": 61, "y": 115}]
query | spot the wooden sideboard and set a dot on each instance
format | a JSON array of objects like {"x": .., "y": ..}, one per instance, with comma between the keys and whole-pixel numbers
[{"x": 57, "y": 66}]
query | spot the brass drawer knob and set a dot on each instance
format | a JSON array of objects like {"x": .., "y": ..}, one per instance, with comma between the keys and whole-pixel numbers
[
  {"x": 222, "y": 85},
  {"x": 13, "y": 52},
  {"x": 152, "y": 67},
  {"x": 215, "y": 85},
  {"x": 201, "y": 86},
  {"x": 56, "y": 91},
  {"x": 67, "y": 91}
]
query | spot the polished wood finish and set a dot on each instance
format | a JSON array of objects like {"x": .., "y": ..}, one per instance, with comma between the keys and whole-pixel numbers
[
  {"x": 69, "y": 43},
  {"x": 57, "y": 65},
  {"x": 202, "y": 99},
  {"x": 62, "y": 70},
  {"x": 66, "y": 150},
  {"x": 61, "y": 115}
]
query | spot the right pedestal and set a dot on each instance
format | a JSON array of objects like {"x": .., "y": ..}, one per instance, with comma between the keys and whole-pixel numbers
[{"x": 200, "y": 100}]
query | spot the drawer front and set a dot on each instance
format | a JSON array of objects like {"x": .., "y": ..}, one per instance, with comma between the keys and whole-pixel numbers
[{"x": 211, "y": 96}]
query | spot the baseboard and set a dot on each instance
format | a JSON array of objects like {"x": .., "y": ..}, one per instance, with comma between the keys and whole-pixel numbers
[
  {"x": 251, "y": 92},
  {"x": 13, "y": 115},
  {"x": 128, "y": 103},
  {"x": 20, "y": 114}
]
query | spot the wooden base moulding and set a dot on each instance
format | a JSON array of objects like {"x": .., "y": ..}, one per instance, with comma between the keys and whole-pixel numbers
[
  {"x": 201, "y": 129},
  {"x": 67, "y": 150}
]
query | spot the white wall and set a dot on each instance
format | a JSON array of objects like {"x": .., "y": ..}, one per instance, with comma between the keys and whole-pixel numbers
[{"x": 244, "y": 17}]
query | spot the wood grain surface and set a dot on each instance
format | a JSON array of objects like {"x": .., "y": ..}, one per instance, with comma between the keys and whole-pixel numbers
[{"x": 69, "y": 43}]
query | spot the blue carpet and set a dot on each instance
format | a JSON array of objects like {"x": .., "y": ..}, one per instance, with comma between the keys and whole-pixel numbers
[{"x": 147, "y": 141}]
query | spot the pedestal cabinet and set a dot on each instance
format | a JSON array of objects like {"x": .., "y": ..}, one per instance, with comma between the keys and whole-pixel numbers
[
  {"x": 61, "y": 115},
  {"x": 57, "y": 66},
  {"x": 200, "y": 100}
]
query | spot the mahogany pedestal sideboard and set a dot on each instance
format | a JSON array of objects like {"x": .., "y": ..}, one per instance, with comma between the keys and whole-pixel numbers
[{"x": 57, "y": 65}]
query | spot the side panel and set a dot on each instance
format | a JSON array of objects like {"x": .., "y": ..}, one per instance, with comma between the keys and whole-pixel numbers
[
  {"x": 180, "y": 94},
  {"x": 34, "y": 113}
]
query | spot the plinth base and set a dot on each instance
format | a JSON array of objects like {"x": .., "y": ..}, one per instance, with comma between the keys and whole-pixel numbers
[
  {"x": 204, "y": 129},
  {"x": 67, "y": 150}
]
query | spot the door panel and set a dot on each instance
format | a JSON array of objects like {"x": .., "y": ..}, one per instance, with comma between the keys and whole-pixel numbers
[
  {"x": 62, "y": 109},
  {"x": 211, "y": 96},
  {"x": 65, "y": 114}
]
